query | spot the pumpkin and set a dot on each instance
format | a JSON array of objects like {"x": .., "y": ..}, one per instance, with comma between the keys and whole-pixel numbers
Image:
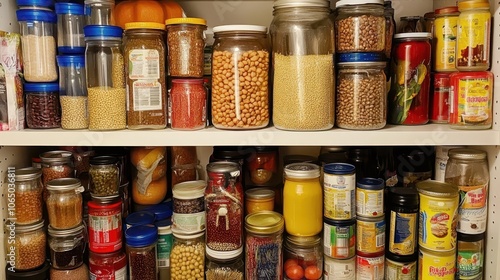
[{"x": 146, "y": 10}]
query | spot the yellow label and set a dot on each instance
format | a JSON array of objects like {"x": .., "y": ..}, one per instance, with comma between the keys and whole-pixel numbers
[
  {"x": 339, "y": 196},
  {"x": 436, "y": 266},
  {"x": 370, "y": 236},
  {"x": 403, "y": 233},
  {"x": 473, "y": 42},
  {"x": 474, "y": 100},
  {"x": 438, "y": 222},
  {"x": 446, "y": 39}
]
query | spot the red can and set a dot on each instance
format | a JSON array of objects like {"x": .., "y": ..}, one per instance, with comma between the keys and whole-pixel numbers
[
  {"x": 105, "y": 224},
  {"x": 440, "y": 105},
  {"x": 409, "y": 95},
  {"x": 108, "y": 266}
]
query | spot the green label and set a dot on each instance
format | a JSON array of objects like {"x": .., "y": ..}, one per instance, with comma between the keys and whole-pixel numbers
[
  {"x": 469, "y": 263},
  {"x": 164, "y": 248}
]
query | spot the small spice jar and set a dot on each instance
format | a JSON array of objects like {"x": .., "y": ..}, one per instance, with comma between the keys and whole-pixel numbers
[
  {"x": 56, "y": 164},
  {"x": 259, "y": 199},
  {"x": 82, "y": 272},
  {"x": 262, "y": 167},
  {"x": 263, "y": 245},
  {"x": 224, "y": 265},
  {"x": 186, "y": 43},
  {"x": 70, "y": 23},
  {"x": 42, "y": 105},
  {"x": 105, "y": 224},
  {"x": 65, "y": 203},
  {"x": 67, "y": 247},
  {"x": 104, "y": 176},
  {"x": 189, "y": 207},
  {"x": 99, "y": 12},
  {"x": 28, "y": 196},
  {"x": 188, "y": 102},
  {"x": 361, "y": 92},
  {"x": 29, "y": 246},
  {"x": 470, "y": 256},
  {"x": 187, "y": 259},
  {"x": 141, "y": 252},
  {"x": 305, "y": 254},
  {"x": 105, "y": 266},
  {"x": 445, "y": 39}
]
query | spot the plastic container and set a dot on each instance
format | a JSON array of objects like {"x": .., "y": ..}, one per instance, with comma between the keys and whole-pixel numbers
[
  {"x": 104, "y": 176},
  {"x": 445, "y": 39},
  {"x": 141, "y": 252},
  {"x": 46, "y": 5},
  {"x": 224, "y": 265},
  {"x": 188, "y": 103},
  {"x": 307, "y": 253},
  {"x": 64, "y": 203},
  {"x": 67, "y": 247},
  {"x": 42, "y": 105},
  {"x": 189, "y": 207},
  {"x": 187, "y": 250},
  {"x": 436, "y": 265},
  {"x": 28, "y": 202},
  {"x": 29, "y": 246},
  {"x": 105, "y": 224},
  {"x": 370, "y": 233},
  {"x": 70, "y": 23},
  {"x": 99, "y": 12}
]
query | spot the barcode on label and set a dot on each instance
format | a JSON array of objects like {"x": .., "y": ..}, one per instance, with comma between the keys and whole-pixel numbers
[
  {"x": 147, "y": 96},
  {"x": 163, "y": 263},
  {"x": 380, "y": 242}
]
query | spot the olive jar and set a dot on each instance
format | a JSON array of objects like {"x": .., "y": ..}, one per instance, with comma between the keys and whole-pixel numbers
[
  {"x": 104, "y": 176},
  {"x": 65, "y": 203},
  {"x": 28, "y": 195},
  {"x": 67, "y": 247},
  {"x": 28, "y": 246}
]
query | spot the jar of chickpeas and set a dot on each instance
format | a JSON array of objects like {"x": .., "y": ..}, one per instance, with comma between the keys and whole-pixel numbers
[{"x": 187, "y": 258}]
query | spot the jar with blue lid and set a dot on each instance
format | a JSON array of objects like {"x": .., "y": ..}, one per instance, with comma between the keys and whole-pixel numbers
[
  {"x": 99, "y": 12},
  {"x": 339, "y": 184},
  {"x": 361, "y": 91},
  {"x": 139, "y": 218},
  {"x": 141, "y": 252},
  {"x": 370, "y": 197},
  {"x": 42, "y": 105},
  {"x": 46, "y": 5},
  {"x": 70, "y": 23}
]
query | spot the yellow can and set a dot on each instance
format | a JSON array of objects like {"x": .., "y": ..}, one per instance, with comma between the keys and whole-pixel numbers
[
  {"x": 434, "y": 265},
  {"x": 445, "y": 39}
]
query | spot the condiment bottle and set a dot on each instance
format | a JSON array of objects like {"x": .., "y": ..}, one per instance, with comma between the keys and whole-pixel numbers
[
  {"x": 67, "y": 247},
  {"x": 28, "y": 196},
  {"x": 104, "y": 176},
  {"x": 141, "y": 252},
  {"x": 188, "y": 103},
  {"x": 65, "y": 203}
]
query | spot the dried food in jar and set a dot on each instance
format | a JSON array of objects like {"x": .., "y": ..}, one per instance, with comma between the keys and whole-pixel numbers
[
  {"x": 104, "y": 176},
  {"x": 187, "y": 259},
  {"x": 141, "y": 263},
  {"x": 29, "y": 247},
  {"x": 39, "y": 58},
  {"x": 42, "y": 105},
  {"x": 55, "y": 165},
  {"x": 141, "y": 252},
  {"x": 82, "y": 272},
  {"x": 74, "y": 110},
  {"x": 65, "y": 203},
  {"x": 188, "y": 102},
  {"x": 28, "y": 195},
  {"x": 106, "y": 108}
]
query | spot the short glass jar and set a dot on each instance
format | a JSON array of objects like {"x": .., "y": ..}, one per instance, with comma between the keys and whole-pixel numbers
[
  {"x": 81, "y": 272},
  {"x": 28, "y": 196},
  {"x": 29, "y": 247},
  {"x": 104, "y": 266},
  {"x": 141, "y": 252},
  {"x": 104, "y": 176},
  {"x": 307, "y": 253},
  {"x": 188, "y": 104},
  {"x": 189, "y": 207},
  {"x": 42, "y": 105},
  {"x": 99, "y": 12},
  {"x": 224, "y": 265},
  {"x": 65, "y": 203},
  {"x": 67, "y": 247},
  {"x": 70, "y": 23},
  {"x": 187, "y": 251},
  {"x": 56, "y": 164},
  {"x": 259, "y": 199}
]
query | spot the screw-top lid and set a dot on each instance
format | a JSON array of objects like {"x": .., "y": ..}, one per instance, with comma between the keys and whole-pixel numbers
[
  {"x": 36, "y": 3},
  {"x": 140, "y": 236},
  {"x": 413, "y": 35},
  {"x": 339, "y": 168},
  {"x": 36, "y": 15},
  {"x": 224, "y": 167},
  {"x": 27, "y": 173},
  {"x": 259, "y": 193},
  {"x": 264, "y": 222},
  {"x": 140, "y": 218},
  {"x": 69, "y": 8},
  {"x": 361, "y": 57},
  {"x": 31, "y": 227},
  {"x": 162, "y": 211},
  {"x": 405, "y": 197},
  {"x": 65, "y": 232},
  {"x": 103, "y": 160},
  {"x": 342, "y": 223},
  {"x": 40, "y": 273},
  {"x": 41, "y": 87},
  {"x": 144, "y": 25},
  {"x": 371, "y": 183},
  {"x": 401, "y": 259},
  {"x": 300, "y": 3},
  {"x": 473, "y": 4},
  {"x": 357, "y": 2},
  {"x": 184, "y": 236},
  {"x": 466, "y": 154},
  {"x": 437, "y": 189},
  {"x": 238, "y": 27},
  {"x": 187, "y": 20},
  {"x": 56, "y": 157},
  {"x": 302, "y": 170},
  {"x": 65, "y": 184},
  {"x": 446, "y": 11},
  {"x": 189, "y": 189},
  {"x": 223, "y": 255},
  {"x": 303, "y": 241},
  {"x": 105, "y": 202},
  {"x": 77, "y": 61},
  {"x": 163, "y": 223},
  {"x": 102, "y": 31}
]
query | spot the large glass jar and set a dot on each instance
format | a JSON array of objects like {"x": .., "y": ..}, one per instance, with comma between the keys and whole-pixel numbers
[
  {"x": 42, "y": 105},
  {"x": 302, "y": 36},
  {"x": 240, "y": 77},
  {"x": 141, "y": 252},
  {"x": 105, "y": 77},
  {"x": 65, "y": 203},
  {"x": 28, "y": 248},
  {"x": 304, "y": 252},
  {"x": 56, "y": 164},
  {"x": 28, "y": 196},
  {"x": 187, "y": 251},
  {"x": 188, "y": 104},
  {"x": 224, "y": 265},
  {"x": 67, "y": 247},
  {"x": 70, "y": 23},
  {"x": 104, "y": 176}
]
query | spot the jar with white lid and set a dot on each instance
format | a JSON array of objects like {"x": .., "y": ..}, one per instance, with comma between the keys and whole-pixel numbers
[
  {"x": 189, "y": 207},
  {"x": 70, "y": 23}
]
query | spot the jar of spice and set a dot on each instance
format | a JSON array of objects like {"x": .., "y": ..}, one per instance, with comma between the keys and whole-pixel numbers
[
  {"x": 105, "y": 77},
  {"x": 188, "y": 102},
  {"x": 262, "y": 167},
  {"x": 42, "y": 105},
  {"x": 28, "y": 196},
  {"x": 29, "y": 246},
  {"x": 67, "y": 247},
  {"x": 187, "y": 259},
  {"x": 56, "y": 164},
  {"x": 64, "y": 203},
  {"x": 104, "y": 176},
  {"x": 305, "y": 255},
  {"x": 189, "y": 207},
  {"x": 445, "y": 39},
  {"x": 470, "y": 256},
  {"x": 105, "y": 224},
  {"x": 259, "y": 199},
  {"x": 224, "y": 265},
  {"x": 141, "y": 252},
  {"x": 70, "y": 23},
  {"x": 108, "y": 265}
]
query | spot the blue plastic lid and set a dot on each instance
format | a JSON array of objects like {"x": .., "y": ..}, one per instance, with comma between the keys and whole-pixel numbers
[
  {"x": 371, "y": 183},
  {"x": 162, "y": 211},
  {"x": 140, "y": 218},
  {"x": 92, "y": 31},
  {"x": 37, "y": 3},
  {"x": 36, "y": 15},
  {"x": 71, "y": 61},
  {"x": 164, "y": 223},
  {"x": 41, "y": 87},
  {"x": 360, "y": 57},
  {"x": 71, "y": 50},
  {"x": 69, "y": 8},
  {"x": 140, "y": 236},
  {"x": 339, "y": 168}
]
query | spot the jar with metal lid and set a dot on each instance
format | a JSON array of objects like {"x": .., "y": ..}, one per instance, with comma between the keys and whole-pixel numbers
[
  {"x": 104, "y": 176},
  {"x": 302, "y": 38},
  {"x": 402, "y": 221},
  {"x": 360, "y": 26},
  {"x": 186, "y": 43},
  {"x": 104, "y": 266},
  {"x": 264, "y": 245},
  {"x": 468, "y": 169},
  {"x": 105, "y": 224},
  {"x": 302, "y": 199},
  {"x": 42, "y": 105},
  {"x": 67, "y": 247},
  {"x": 259, "y": 199},
  {"x": 99, "y": 12},
  {"x": 189, "y": 215},
  {"x": 65, "y": 203},
  {"x": 141, "y": 252},
  {"x": 105, "y": 77},
  {"x": 445, "y": 39},
  {"x": 470, "y": 256},
  {"x": 303, "y": 255},
  {"x": 188, "y": 104},
  {"x": 40, "y": 273},
  {"x": 27, "y": 195},
  {"x": 145, "y": 75},
  {"x": 361, "y": 92},
  {"x": 187, "y": 251},
  {"x": 27, "y": 245},
  {"x": 70, "y": 23},
  {"x": 224, "y": 265}
]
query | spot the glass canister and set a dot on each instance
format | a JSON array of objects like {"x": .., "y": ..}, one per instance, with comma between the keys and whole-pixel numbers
[
  {"x": 302, "y": 36},
  {"x": 240, "y": 77},
  {"x": 259, "y": 199},
  {"x": 99, "y": 12},
  {"x": 27, "y": 195},
  {"x": 187, "y": 251},
  {"x": 65, "y": 203},
  {"x": 70, "y": 23},
  {"x": 409, "y": 94},
  {"x": 29, "y": 246},
  {"x": 38, "y": 30},
  {"x": 141, "y": 252},
  {"x": 445, "y": 39},
  {"x": 224, "y": 207},
  {"x": 188, "y": 103},
  {"x": 302, "y": 199},
  {"x": 105, "y": 77},
  {"x": 73, "y": 91},
  {"x": 186, "y": 43},
  {"x": 224, "y": 265},
  {"x": 361, "y": 93},
  {"x": 470, "y": 256},
  {"x": 303, "y": 256},
  {"x": 67, "y": 247},
  {"x": 56, "y": 164},
  {"x": 145, "y": 74},
  {"x": 104, "y": 176},
  {"x": 82, "y": 272},
  {"x": 105, "y": 266},
  {"x": 42, "y": 105},
  {"x": 262, "y": 167}
]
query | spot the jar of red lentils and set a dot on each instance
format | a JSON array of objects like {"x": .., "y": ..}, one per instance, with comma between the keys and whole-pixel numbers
[{"x": 188, "y": 103}]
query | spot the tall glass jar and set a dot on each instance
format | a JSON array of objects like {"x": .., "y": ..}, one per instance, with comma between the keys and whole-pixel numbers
[
  {"x": 240, "y": 99},
  {"x": 187, "y": 251},
  {"x": 302, "y": 199},
  {"x": 224, "y": 265},
  {"x": 141, "y": 252},
  {"x": 104, "y": 176},
  {"x": 56, "y": 164},
  {"x": 105, "y": 77},
  {"x": 188, "y": 103},
  {"x": 67, "y": 247},
  {"x": 65, "y": 203},
  {"x": 302, "y": 36},
  {"x": 28, "y": 195},
  {"x": 307, "y": 253},
  {"x": 29, "y": 247}
]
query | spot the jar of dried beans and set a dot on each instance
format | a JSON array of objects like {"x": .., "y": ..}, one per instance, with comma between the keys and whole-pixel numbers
[
  {"x": 67, "y": 247},
  {"x": 42, "y": 105},
  {"x": 104, "y": 176},
  {"x": 65, "y": 203},
  {"x": 187, "y": 259},
  {"x": 56, "y": 164},
  {"x": 189, "y": 207},
  {"x": 29, "y": 247},
  {"x": 224, "y": 265},
  {"x": 141, "y": 252},
  {"x": 224, "y": 207},
  {"x": 188, "y": 102},
  {"x": 28, "y": 195},
  {"x": 240, "y": 77}
]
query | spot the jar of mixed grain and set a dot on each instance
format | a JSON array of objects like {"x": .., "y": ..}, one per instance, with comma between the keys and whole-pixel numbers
[
  {"x": 105, "y": 78},
  {"x": 104, "y": 176},
  {"x": 187, "y": 259},
  {"x": 302, "y": 37},
  {"x": 56, "y": 164},
  {"x": 73, "y": 91},
  {"x": 240, "y": 77},
  {"x": 361, "y": 93},
  {"x": 28, "y": 195},
  {"x": 64, "y": 203},
  {"x": 42, "y": 105},
  {"x": 67, "y": 247},
  {"x": 141, "y": 252},
  {"x": 29, "y": 246}
]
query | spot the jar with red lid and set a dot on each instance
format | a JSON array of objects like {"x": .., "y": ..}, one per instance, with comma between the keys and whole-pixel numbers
[
  {"x": 439, "y": 100},
  {"x": 188, "y": 102},
  {"x": 105, "y": 224},
  {"x": 105, "y": 266},
  {"x": 409, "y": 94}
]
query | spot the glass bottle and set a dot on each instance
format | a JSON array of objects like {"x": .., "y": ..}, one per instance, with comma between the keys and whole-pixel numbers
[
  {"x": 104, "y": 176},
  {"x": 365, "y": 161},
  {"x": 42, "y": 105},
  {"x": 67, "y": 247},
  {"x": 28, "y": 196},
  {"x": 73, "y": 91},
  {"x": 141, "y": 252},
  {"x": 307, "y": 252},
  {"x": 65, "y": 203},
  {"x": 187, "y": 250},
  {"x": 224, "y": 265},
  {"x": 188, "y": 102}
]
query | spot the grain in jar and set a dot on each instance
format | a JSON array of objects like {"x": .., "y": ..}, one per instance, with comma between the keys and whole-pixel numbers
[
  {"x": 64, "y": 203},
  {"x": 42, "y": 105},
  {"x": 27, "y": 249},
  {"x": 27, "y": 196},
  {"x": 141, "y": 252},
  {"x": 187, "y": 259},
  {"x": 56, "y": 164}
]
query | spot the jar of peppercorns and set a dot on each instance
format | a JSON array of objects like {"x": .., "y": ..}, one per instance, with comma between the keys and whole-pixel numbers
[
  {"x": 56, "y": 164},
  {"x": 67, "y": 247},
  {"x": 104, "y": 176},
  {"x": 187, "y": 258},
  {"x": 28, "y": 195},
  {"x": 65, "y": 203},
  {"x": 141, "y": 252}
]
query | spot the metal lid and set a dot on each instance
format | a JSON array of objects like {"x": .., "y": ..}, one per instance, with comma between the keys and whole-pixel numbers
[
  {"x": 224, "y": 255},
  {"x": 65, "y": 184},
  {"x": 303, "y": 241},
  {"x": 240, "y": 27},
  {"x": 414, "y": 35},
  {"x": 300, "y": 3},
  {"x": 264, "y": 222},
  {"x": 259, "y": 193},
  {"x": 401, "y": 259},
  {"x": 27, "y": 173},
  {"x": 144, "y": 25},
  {"x": 103, "y": 160},
  {"x": 466, "y": 153},
  {"x": 56, "y": 157},
  {"x": 370, "y": 183},
  {"x": 358, "y": 2},
  {"x": 341, "y": 223},
  {"x": 339, "y": 168},
  {"x": 65, "y": 232},
  {"x": 224, "y": 167},
  {"x": 470, "y": 237},
  {"x": 437, "y": 189},
  {"x": 30, "y": 227},
  {"x": 302, "y": 170},
  {"x": 189, "y": 189}
]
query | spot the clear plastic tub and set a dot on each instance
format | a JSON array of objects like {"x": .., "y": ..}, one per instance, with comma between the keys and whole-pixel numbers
[
  {"x": 73, "y": 91},
  {"x": 70, "y": 23}
]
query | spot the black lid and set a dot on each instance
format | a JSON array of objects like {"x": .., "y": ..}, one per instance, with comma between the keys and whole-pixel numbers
[
  {"x": 263, "y": 149},
  {"x": 470, "y": 237},
  {"x": 342, "y": 223},
  {"x": 41, "y": 273},
  {"x": 403, "y": 196},
  {"x": 402, "y": 259},
  {"x": 231, "y": 152},
  {"x": 103, "y": 160}
]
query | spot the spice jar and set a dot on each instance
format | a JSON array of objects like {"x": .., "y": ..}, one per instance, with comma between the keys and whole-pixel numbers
[
  {"x": 304, "y": 255},
  {"x": 262, "y": 167},
  {"x": 264, "y": 245},
  {"x": 302, "y": 38},
  {"x": 361, "y": 92},
  {"x": 445, "y": 39},
  {"x": 82, "y": 272},
  {"x": 27, "y": 196},
  {"x": 105, "y": 224},
  {"x": 259, "y": 199},
  {"x": 470, "y": 256},
  {"x": 70, "y": 23},
  {"x": 42, "y": 105},
  {"x": 64, "y": 203},
  {"x": 37, "y": 28},
  {"x": 67, "y": 247},
  {"x": 360, "y": 26},
  {"x": 108, "y": 265},
  {"x": 56, "y": 164},
  {"x": 99, "y": 12},
  {"x": 104, "y": 176},
  {"x": 141, "y": 252},
  {"x": 240, "y": 70},
  {"x": 189, "y": 207},
  {"x": 105, "y": 78},
  {"x": 28, "y": 249},
  {"x": 188, "y": 102},
  {"x": 187, "y": 259},
  {"x": 224, "y": 265},
  {"x": 186, "y": 42}
]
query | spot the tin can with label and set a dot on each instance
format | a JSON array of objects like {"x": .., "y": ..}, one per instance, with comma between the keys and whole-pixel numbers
[
  {"x": 339, "y": 238},
  {"x": 339, "y": 269},
  {"x": 370, "y": 197},
  {"x": 402, "y": 220},
  {"x": 440, "y": 98},
  {"x": 436, "y": 265},
  {"x": 400, "y": 267},
  {"x": 445, "y": 39},
  {"x": 339, "y": 184},
  {"x": 370, "y": 233},
  {"x": 370, "y": 268},
  {"x": 470, "y": 256},
  {"x": 105, "y": 224}
]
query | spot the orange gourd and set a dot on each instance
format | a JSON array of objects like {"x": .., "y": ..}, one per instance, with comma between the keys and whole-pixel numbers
[{"x": 146, "y": 10}]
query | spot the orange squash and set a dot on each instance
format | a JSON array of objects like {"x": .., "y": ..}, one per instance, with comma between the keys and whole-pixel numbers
[{"x": 146, "y": 10}]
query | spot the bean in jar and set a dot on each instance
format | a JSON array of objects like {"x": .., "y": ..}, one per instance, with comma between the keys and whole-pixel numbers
[
  {"x": 104, "y": 176},
  {"x": 29, "y": 247},
  {"x": 28, "y": 195},
  {"x": 56, "y": 164},
  {"x": 42, "y": 105},
  {"x": 187, "y": 259}
]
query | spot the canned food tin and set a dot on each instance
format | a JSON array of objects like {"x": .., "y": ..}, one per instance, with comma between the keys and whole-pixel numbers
[
  {"x": 370, "y": 197},
  {"x": 339, "y": 269},
  {"x": 105, "y": 224},
  {"x": 370, "y": 234},
  {"x": 438, "y": 215},
  {"x": 436, "y": 265},
  {"x": 440, "y": 98},
  {"x": 339, "y": 184},
  {"x": 400, "y": 267},
  {"x": 339, "y": 238},
  {"x": 370, "y": 268}
]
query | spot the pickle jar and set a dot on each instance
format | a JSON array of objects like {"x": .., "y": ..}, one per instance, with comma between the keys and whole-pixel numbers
[
  {"x": 56, "y": 164},
  {"x": 28, "y": 195},
  {"x": 187, "y": 250},
  {"x": 307, "y": 252},
  {"x": 65, "y": 203},
  {"x": 67, "y": 247},
  {"x": 224, "y": 265},
  {"x": 29, "y": 246},
  {"x": 104, "y": 176}
]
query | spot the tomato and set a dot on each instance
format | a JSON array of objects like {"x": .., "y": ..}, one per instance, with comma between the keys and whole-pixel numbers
[
  {"x": 289, "y": 263},
  {"x": 313, "y": 272},
  {"x": 294, "y": 272}
]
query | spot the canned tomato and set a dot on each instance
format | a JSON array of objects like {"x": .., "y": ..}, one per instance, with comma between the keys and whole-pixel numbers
[
  {"x": 436, "y": 265},
  {"x": 339, "y": 269},
  {"x": 400, "y": 267},
  {"x": 105, "y": 224},
  {"x": 370, "y": 197},
  {"x": 339, "y": 184},
  {"x": 339, "y": 238},
  {"x": 438, "y": 215},
  {"x": 440, "y": 98},
  {"x": 370, "y": 233},
  {"x": 402, "y": 220},
  {"x": 445, "y": 39},
  {"x": 370, "y": 268}
]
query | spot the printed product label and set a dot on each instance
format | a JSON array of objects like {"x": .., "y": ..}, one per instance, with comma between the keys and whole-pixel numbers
[
  {"x": 473, "y": 197},
  {"x": 473, "y": 44},
  {"x": 339, "y": 196},
  {"x": 339, "y": 241},
  {"x": 144, "y": 64},
  {"x": 106, "y": 273},
  {"x": 437, "y": 223},
  {"x": 336, "y": 269},
  {"x": 400, "y": 271},
  {"x": 446, "y": 39},
  {"x": 473, "y": 101},
  {"x": 470, "y": 264},
  {"x": 188, "y": 223},
  {"x": 147, "y": 95},
  {"x": 403, "y": 233},
  {"x": 433, "y": 267},
  {"x": 369, "y": 268},
  {"x": 472, "y": 221},
  {"x": 164, "y": 247},
  {"x": 369, "y": 203},
  {"x": 105, "y": 232},
  {"x": 370, "y": 236},
  {"x": 121, "y": 274}
]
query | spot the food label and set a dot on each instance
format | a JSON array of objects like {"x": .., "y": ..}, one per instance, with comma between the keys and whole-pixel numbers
[
  {"x": 369, "y": 268},
  {"x": 370, "y": 236},
  {"x": 432, "y": 267},
  {"x": 437, "y": 223},
  {"x": 339, "y": 196},
  {"x": 469, "y": 264},
  {"x": 473, "y": 101},
  {"x": 473, "y": 197},
  {"x": 105, "y": 231},
  {"x": 164, "y": 247},
  {"x": 472, "y": 221},
  {"x": 473, "y": 44},
  {"x": 339, "y": 241},
  {"x": 402, "y": 233},
  {"x": 144, "y": 64},
  {"x": 188, "y": 223},
  {"x": 147, "y": 95},
  {"x": 445, "y": 35},
  {"x": 400, "y": 271},
  {"x": 336, "y": 269},
  {"x": 369, "y": 203}
]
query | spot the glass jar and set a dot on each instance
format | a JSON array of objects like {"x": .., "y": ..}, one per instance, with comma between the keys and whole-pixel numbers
[
  {"x": 224, "y": 265},
  {"x": 264, "y": 245},
  {"x": 141, "y": 252},
  {"x": 224, "y": 207},
  {"x": 145, "y": 74},
  {"x": 38, "y": 30},
  {"x": 28, "y": 195},
  {"x": 56, "y": 164},
  {"x": 390, "y": 27},
  {"x": 237, "y": 155},
  {"x": 409, "y": 94},
  {"x": 360, "y": 26},
  {"x": 184, "y": 164},
  {"x": 105, "y": 224},
  {"x": 415, "y": 165},
  {"x": 186, "y": 42},
  {"x": 236, "y": 49},
  {"x": 187, "y": 251},
  {"x": 73, "y": 91},
  {"x": 70, "y": 23},
  {"x": 262, "y": 167},
  {"x": 82, "y": 272},
  {"x": 470, "y": 256},
  {"x": 411, "y": 24},
  {"x": 42, "y": 105},
  {"x": 445, "y": 39},
  {"x": 107, "y": 266},
  {"x": 104, "y": 176},
  {"x": 302, "y": 37},
  {"x": 361, "y": 93},
  {"x": 188, "y": 104},
  {"x": 189, "y": 207},
  {"x": 28, "y": 248},
  {"x": 45, "y": 5},
  {"x": 41, "y": 273},
  {"x": 302, "y": 199},
  {"x": 99, "y": 12},
  {"x": 67, "y": 247},
  {"x": 259, "y": 199},
  {"x": 105, "y": 78},
  {"x": 307, "y": 253},
  {"x": 64, "y": 203}
]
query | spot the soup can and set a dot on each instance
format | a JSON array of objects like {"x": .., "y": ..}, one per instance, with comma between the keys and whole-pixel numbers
[
  {"x": 339, "y": 184},
  {"x": 339, "y": 269},
  {"x": 370, "y": 234},
  {"x": 370, "y": 197},
  {"x": 339, "y": 238}
]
